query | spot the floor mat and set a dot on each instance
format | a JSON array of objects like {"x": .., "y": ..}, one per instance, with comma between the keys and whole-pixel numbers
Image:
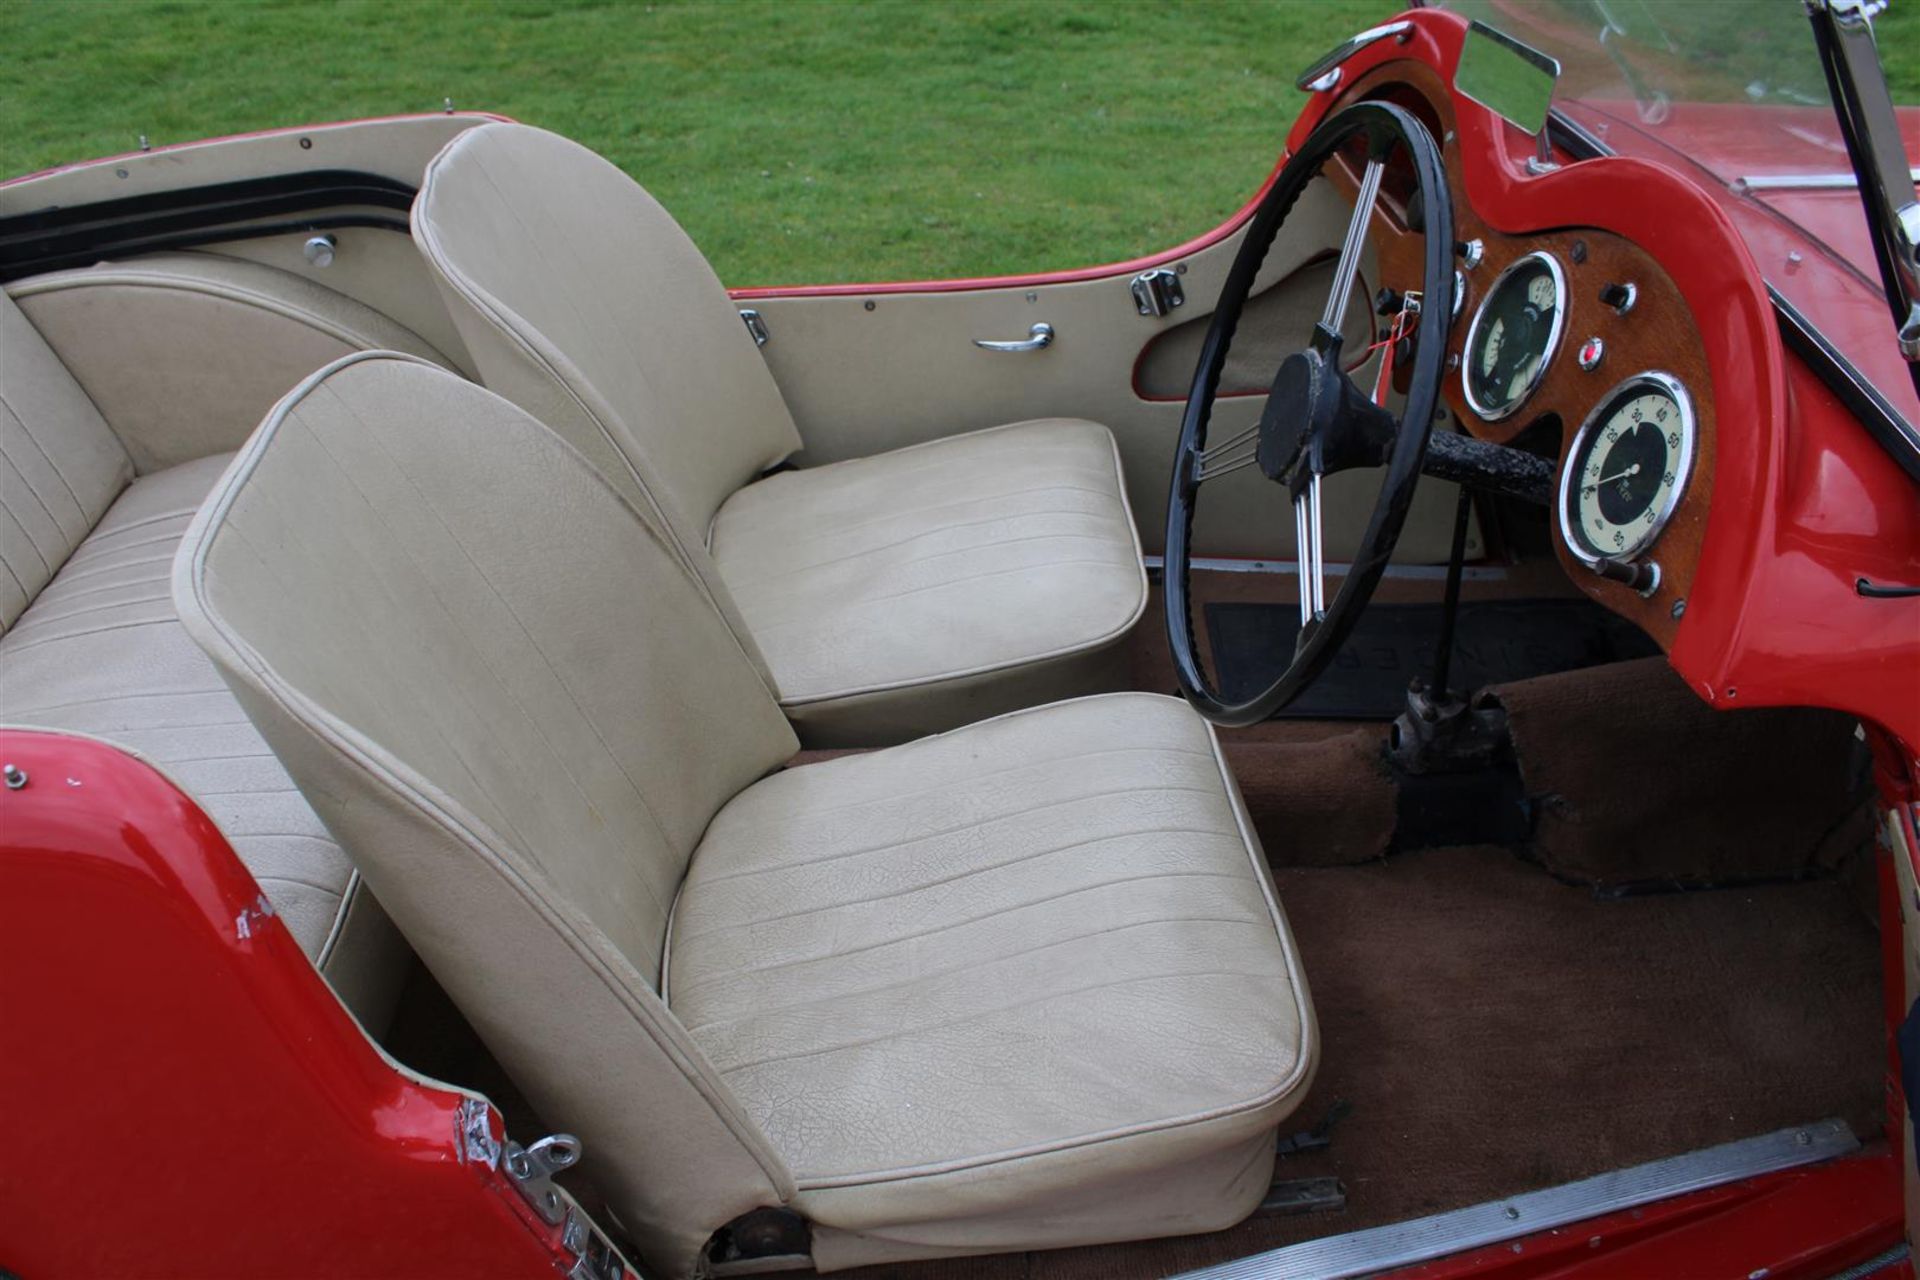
[
  {"x": 1497, "y": 1031},
  {"x": 1495, "y": 641}
]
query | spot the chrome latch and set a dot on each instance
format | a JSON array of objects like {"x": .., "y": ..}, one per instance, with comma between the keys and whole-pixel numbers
[
  {"x": 532, "y": 1169},
  {"x": 1157, "y": 292},
  {"x": 756, "y": 325}
]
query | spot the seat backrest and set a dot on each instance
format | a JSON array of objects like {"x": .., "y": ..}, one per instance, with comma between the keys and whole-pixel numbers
[
  {"x": 516, "y": 711},
  {"x": 583, "y": 301},
  {"x": 61, "y": 466}
]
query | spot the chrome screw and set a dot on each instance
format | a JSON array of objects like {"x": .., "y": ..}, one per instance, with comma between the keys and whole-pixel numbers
[{"x": 16, "y": 777}]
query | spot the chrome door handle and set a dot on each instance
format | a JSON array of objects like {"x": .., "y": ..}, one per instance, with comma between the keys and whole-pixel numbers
[{"x": 1038, "y": 338}]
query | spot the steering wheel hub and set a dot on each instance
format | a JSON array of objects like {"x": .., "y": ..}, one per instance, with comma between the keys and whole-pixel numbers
[{"x": 1300, "y": 405}]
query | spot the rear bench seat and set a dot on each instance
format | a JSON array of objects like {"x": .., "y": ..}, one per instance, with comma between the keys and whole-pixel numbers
[{"x": 89, "y": 643}]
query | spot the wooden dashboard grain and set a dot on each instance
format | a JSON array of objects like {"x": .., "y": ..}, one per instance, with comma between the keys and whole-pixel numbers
[{"x": 1658, "y": 334}]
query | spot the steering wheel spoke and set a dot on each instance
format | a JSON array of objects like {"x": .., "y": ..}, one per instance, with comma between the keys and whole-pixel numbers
[
  {"x": 1238, "y": 450},
  {"x": 1310, "y": 552},
  {"x": 1213, "y": 469},
  {"x": 1335, "y": 314}
]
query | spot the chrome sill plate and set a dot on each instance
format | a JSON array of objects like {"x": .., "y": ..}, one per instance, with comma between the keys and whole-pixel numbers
[
  {"x": 1423, "y": 1239},
  {"x": 1334, "y": 568}
]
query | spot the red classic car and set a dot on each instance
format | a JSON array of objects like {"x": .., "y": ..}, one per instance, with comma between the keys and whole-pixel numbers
[{"x": 1383, "y": 739}]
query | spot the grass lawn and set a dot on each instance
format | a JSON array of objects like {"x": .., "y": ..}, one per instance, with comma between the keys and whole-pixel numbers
[{"x": 796, "y": 141}]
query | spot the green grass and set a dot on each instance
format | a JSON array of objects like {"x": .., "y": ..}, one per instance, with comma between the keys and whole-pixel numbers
[{"x": 797, "y": 141}]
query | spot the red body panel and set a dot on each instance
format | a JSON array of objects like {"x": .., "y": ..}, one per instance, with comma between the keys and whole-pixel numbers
[{"x": 182, "y": 1093}]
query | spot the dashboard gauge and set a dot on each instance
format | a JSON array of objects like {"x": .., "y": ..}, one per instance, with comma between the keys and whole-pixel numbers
[
  {"x": 1627, "y": 468},
  {"x": 1513, "y": 335}
]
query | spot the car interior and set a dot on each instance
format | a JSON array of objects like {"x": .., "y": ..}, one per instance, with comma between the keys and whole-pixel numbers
[{"x": 759, "y": 749}]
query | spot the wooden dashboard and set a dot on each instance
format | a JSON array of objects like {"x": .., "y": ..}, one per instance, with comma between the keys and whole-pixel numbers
[{"x": 1657, "y": 334}]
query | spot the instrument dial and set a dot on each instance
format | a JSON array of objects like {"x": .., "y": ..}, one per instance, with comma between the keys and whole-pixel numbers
[
  {"x": 1627, "y": 468},
  {"x": 1514, "y": 335}
]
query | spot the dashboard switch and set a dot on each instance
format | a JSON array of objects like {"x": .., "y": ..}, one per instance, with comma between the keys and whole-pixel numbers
[
  {"x": 1620, "y": 297},
  {"x": 1592, "y": 351}
]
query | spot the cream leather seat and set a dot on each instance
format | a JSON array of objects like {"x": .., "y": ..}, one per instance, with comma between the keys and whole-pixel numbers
[
  {"x": 1020, "y": 985},
  {"x": 89, "y": 643},
  {"x": 887, "y": 596}
]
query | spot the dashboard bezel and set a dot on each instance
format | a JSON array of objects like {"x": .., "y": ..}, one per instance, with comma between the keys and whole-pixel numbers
[
  {"x": 1674, "y": 389},
  {"x": 1555, "y": 334}
]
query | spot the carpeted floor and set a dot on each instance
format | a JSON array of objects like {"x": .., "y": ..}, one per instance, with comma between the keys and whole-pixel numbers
[{"x": 1497, "y": 1031}]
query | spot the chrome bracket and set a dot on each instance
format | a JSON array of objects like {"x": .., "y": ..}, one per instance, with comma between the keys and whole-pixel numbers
[
  {"x": 1325, "y": 71},
  {"x": 1157, "y": 292},
  {"x": 756, "y": 325},
  {"x": 532, "y": 1169},
  {"x": 1542, "y": 161}
]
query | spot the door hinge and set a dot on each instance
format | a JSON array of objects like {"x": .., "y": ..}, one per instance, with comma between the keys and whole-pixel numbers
[
  {"x": 1157, "y": 292},
  {"x": 531, "y": 1169}
]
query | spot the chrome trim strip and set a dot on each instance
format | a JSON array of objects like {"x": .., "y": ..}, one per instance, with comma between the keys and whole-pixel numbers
[
  {"x": 1334, "y": 568},
  {"x": 1675, "y": 390},
  {"x": 1422, "y": 1239},
  {"x": 1805, "y": 181}
]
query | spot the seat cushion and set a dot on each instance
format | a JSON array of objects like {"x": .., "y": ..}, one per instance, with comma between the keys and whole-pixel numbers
[
  {"x": 964, "y": 981},
  {"x": 940, "y": 584},
  {"x": 101, "y": 651}
]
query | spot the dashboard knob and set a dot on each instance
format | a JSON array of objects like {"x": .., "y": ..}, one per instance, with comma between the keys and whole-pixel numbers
[
  {"x": 1642, "y": 576},
  {"x": 1620, "y": 297}
]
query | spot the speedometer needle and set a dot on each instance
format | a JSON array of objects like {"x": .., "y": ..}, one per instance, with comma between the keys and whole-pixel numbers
[{"x": 1633, "y": 470}]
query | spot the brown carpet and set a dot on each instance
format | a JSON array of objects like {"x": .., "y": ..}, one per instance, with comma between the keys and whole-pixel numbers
[
  {"x": 1497, "y": 1031},
  {"x": 1637, "y": 780},
  {"x": 1323, "y": 803}
]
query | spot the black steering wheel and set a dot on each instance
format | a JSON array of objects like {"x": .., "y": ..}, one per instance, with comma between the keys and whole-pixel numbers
[{"x": 1316, "y": 421}]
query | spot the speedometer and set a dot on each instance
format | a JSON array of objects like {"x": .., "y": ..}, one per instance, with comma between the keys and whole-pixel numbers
[
  {"x": 1627, "y": 468},
  {"x": 1514, "y": 335}
]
